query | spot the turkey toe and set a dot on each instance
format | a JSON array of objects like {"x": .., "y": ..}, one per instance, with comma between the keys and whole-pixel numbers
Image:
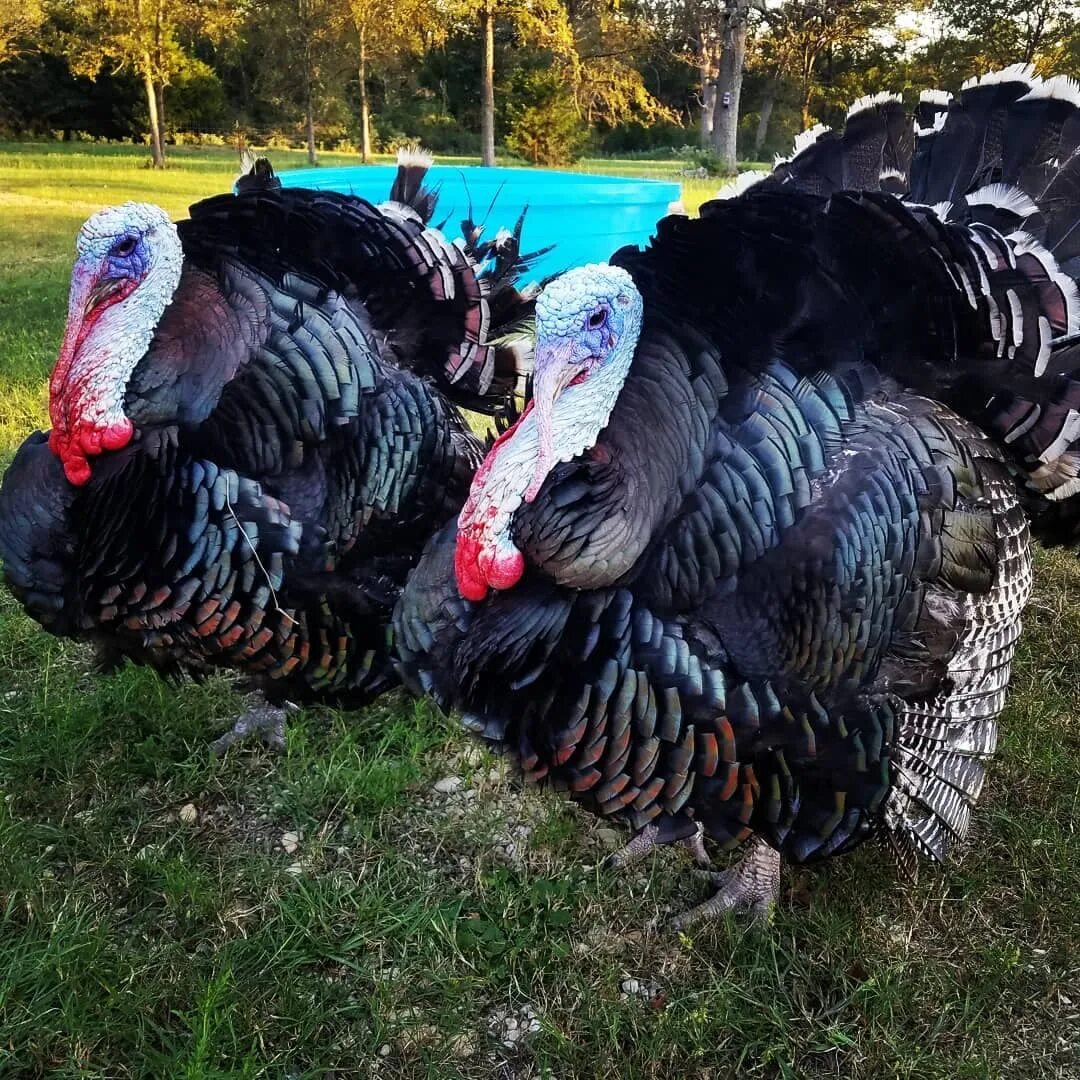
[
  {"x": 751, "y": 886},
  {"x": 267, "y": 721}
]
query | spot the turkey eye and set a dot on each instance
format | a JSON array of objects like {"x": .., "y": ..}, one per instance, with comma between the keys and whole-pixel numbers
[
  {"x": 124, "y": 247},
  {"x": 596, "y": 319}
]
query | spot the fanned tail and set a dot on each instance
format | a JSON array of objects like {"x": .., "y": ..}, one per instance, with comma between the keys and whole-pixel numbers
[
  {"x": 408, "y": 188},
  {"x": 979, "y": 215},
  {"x": 257, "y": 174},
  {"x": 991, "y": 220},
  {"x": 486, "y": 369}
]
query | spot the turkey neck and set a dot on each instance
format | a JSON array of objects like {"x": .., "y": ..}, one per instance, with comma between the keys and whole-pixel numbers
[{"x": 486, "y": 554}]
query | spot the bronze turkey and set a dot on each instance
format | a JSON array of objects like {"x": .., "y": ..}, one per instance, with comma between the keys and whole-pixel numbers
[{"x": 752, "y": 566}]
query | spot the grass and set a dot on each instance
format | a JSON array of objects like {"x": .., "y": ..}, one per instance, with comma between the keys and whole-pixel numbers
[{"x": 329, "y": 913}]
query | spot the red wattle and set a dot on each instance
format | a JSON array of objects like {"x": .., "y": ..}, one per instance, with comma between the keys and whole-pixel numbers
[
  {"x": 479, "y": 564},
  {"x": 470, "y": 580},
  {"x": 75, "y": 392},
  {"x": 76, "y": 443},
  {"x": 479, "y": 567}
]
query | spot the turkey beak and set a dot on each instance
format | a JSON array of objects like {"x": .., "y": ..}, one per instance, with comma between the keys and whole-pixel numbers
[
  {"x": 555, "y": 368},
  {"x": 103, "y": 289}
]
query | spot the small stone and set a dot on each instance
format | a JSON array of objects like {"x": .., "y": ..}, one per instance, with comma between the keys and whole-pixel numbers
[
  {"x": 630, "y": 986},
  {"x": 290, "y": 841},
  {"x": 189, "y": 814},
  {"x": 472, "y": 755},
  {"x": 463, "y": 1045},
  {"x": 511, "y": 1024},
  {"x": 608, "y": 837},
  {"x": 296, "y": 869},
  {"x": 448, "y": 785},
  {"x": 384, "y": 1050}
]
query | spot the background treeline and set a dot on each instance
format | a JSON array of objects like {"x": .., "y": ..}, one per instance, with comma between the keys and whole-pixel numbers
[{"x": 545, "y": 80}]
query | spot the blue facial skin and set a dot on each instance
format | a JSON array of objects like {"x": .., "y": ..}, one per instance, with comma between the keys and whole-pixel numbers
[{"x": 127, "y": 258}]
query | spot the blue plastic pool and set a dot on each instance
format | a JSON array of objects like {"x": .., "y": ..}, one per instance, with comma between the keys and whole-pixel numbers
[{"x": 586, "y": 217}]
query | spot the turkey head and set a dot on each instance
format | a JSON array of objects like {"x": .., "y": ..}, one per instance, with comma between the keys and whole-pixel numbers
[
  {"x": 127, "y": 267},
  {"x": 587, "y": 327}
]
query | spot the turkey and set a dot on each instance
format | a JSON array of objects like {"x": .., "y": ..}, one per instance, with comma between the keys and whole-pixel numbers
[
  {"x": 254, "y": 431},
  {"x": 750, "y": 568}
]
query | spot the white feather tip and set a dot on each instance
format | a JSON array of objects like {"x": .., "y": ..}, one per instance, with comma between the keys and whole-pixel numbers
[
  {"x": 743, "y": 182},
  {"x": 935, "y": 97},
  {"x": 871, "y": 101},
  {"x": 1058, "y": 87},
  {"x": 414, "y": 156},
  {"x": 1023, "y": 73},
  {"x": 808, "y": 137},
  {"x": 938, "y": 124},
  {"x": 1005, "y": 197}
]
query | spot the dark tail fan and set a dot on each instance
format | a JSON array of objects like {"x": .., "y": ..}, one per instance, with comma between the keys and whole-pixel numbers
[
  {"x": 484, "y": 374},
  {"x": 257, "y": 175},
  {"x": 408, "y": 187},
  {"x": 990, "y": 222},
  {"x": 993, "y": 201},
  {"x": 449, "y": 303}
]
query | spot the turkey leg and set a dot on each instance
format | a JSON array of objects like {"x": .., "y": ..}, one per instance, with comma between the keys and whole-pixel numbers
[
  {"x": 751, "y": 885},
  {"x": 647, "y": 839},
  {"x": 264, "y": 719}
]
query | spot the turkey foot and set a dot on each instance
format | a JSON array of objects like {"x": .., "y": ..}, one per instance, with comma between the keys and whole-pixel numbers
[
  {"x": 646, "y": 840},
  {"x": 268, "y": 721},
  {"x": 751, "y": 885}
]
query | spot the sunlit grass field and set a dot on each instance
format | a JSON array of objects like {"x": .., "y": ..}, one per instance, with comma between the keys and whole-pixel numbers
[{"x": 383, "y": 901}]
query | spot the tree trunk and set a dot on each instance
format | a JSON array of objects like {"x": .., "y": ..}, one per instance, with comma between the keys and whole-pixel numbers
[
  {"x": 159, "y": 93},
  {"x": 708, "y": 105},
  {"x": 365, "y": 120},
  {"x": 764, "y": 117},
  {"x": 309, "y": 119},
  {"x": 487, "y": 84},
  {"x": 707, "y": 65},
  {"x": 157, "y": 151},
  {"x": 729, "y": 84}
]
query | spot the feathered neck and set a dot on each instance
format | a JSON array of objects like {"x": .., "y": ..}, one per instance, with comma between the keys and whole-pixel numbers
[{"x": 486, "y": 556}]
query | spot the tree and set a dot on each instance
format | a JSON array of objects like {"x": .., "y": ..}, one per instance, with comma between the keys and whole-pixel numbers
[
  {"x": 388, "y": 30},
  {"x": 301, "y": 57},
  {"x": 541, "y": 23},
  {"x": 714, "y": 36},
  {"x": 734, "y": 25},
  {"x": 147, "y": 37},
  {"x": 19, "y": 19},
  {"x": 602, "y": 48},
  {"x": 802, "y": 32},
  {"x": 1008, "y": 32}
]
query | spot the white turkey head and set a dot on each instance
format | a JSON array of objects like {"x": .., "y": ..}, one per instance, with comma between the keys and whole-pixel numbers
[
  {"x": 127, "y": 267},
  {"x": 587, "y": 326}
]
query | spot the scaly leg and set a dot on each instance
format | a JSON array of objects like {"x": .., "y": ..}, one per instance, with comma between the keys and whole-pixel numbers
[
  {"x": 646, "y": 840},
  {"x": 268, "y": 721},
  {"x": 751, "y": 885}
]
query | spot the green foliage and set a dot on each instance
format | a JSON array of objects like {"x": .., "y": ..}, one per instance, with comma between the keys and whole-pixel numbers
[
  {"x": 1004, "y": 32},
  {"x": 703, "y": 160},
  {"x": 19, "y": 21},
  {"x": 635, "y": 138},
  {"x": 197, "y": 100},
  {"x": 544, "y": 127},
  {"x": 40, "y": 95}
]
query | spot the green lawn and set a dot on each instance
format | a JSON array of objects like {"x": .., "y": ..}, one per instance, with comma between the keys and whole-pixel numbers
[{"x": 331, "y": 913}]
